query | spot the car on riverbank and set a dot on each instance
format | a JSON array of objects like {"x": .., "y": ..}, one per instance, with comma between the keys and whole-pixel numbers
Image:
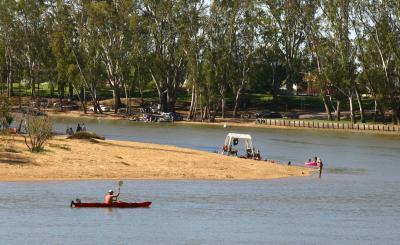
[{"x": 267, "y": 114}]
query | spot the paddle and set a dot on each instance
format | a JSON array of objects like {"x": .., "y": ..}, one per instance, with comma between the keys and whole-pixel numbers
[{"x": 120, "y": 183}]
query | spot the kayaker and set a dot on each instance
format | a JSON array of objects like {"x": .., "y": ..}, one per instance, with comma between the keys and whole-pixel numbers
[{"x": 110, "y": 197}]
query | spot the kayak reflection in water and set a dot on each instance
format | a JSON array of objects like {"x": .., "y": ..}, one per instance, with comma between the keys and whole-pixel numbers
[{"x": 110, "y": 197}]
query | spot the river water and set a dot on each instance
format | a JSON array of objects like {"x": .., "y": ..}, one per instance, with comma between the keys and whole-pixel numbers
[{"x": 357, "y": 201}]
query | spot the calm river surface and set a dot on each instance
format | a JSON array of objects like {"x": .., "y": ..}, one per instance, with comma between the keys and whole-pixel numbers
[{"x": 357, "y": 201}]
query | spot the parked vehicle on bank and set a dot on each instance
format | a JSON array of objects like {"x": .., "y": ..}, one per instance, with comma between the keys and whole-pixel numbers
[
  {"x": 102, "y": 107},
  {"x": 268, "y": 114}
]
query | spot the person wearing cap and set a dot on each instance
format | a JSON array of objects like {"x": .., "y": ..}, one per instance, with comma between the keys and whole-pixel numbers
[{"x": 110, "y": 197}]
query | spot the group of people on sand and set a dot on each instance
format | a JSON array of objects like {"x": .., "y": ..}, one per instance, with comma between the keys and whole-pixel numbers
[{"x": 79, "y": 128}]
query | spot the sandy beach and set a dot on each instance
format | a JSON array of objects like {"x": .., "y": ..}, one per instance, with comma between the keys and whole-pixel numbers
[{"x": 71, "y": 159}]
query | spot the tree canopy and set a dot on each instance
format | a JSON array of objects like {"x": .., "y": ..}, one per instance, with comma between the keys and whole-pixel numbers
[{"x": 212, "y": 49}]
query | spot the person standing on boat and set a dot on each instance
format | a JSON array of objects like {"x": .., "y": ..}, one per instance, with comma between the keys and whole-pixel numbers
[{"x": 110, "y": 197}]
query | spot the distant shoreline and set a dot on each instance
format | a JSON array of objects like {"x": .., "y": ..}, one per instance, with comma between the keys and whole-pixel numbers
[{"x": 228, "y": 123}]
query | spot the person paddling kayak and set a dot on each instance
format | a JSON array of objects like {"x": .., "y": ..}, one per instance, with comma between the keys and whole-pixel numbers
[{"x": 110, "y": 197}]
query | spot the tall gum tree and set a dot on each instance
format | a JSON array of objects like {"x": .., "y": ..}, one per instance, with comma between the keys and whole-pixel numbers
[
  {"x": 341, "y": 70},
  {"x": 166, "y": 59},
  {"x": 287, "y": 18},
  {"x": 8, "y": 33},
  {"x": 31, "y": 19},
  {"x": 248, "y": 22},
  {"x": 108, "y": 23},
  {"x": 193, "y": 18},
  {"x": 379, "y": 24}
]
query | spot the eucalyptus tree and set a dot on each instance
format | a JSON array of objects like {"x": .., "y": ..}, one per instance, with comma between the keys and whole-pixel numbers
[
  {"x": 8, "y": 38},
  {"x": 108, "y": 24},
  {"x": 30, "y": 15},
  {"x": 247, "y": 23},
  {"x": 379, "y": 26},
  {"x": 287, "y": 19},
  {"x": 221, "y": 30},
  {"x": 166, "y": 59},
  {"x": 341, "y": 67},
  {"x": 372, "y": 74},
  {"x": 85, "y": 53},
  {"x": 193, "y": 17},
  {"x": 318, "y": 46},
  {"x": 60, "y": 37},
  {"x": 270, "y": 69}
]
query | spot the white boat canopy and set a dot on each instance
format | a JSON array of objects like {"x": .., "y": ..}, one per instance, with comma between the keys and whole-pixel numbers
[{"x": 233, "y": 139}]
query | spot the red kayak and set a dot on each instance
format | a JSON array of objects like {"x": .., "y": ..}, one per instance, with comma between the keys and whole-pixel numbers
[{"x": 111, "y": 205}]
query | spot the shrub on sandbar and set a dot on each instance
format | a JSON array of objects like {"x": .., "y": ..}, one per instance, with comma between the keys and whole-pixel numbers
[{"x": 86, "y": 135}]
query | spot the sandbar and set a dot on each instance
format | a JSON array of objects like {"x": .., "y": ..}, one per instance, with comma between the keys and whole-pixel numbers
[{"x": 72, "y": 159}]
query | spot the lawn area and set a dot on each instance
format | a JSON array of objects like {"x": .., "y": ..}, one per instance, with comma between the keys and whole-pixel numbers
[{"x": 251, "y": 100}]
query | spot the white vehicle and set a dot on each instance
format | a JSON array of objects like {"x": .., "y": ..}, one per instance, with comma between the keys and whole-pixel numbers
[
  {"x": 232, "y": 141},
  {"x": 102, "y": 107}
]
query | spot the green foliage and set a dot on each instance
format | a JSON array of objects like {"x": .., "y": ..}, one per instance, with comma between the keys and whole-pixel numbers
[
  {"x": 6, "y": 117},
  {"x": 218, "y": 51},
  {"x": 39, "y": 129}
]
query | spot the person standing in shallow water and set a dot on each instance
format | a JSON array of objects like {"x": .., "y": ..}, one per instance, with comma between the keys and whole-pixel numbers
[{"x": 320, "y": 165}]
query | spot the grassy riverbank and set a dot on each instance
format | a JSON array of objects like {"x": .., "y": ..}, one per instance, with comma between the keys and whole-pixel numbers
[{"x": 66, "y": 159}]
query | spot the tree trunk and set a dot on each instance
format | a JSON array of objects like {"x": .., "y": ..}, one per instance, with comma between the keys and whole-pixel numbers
[
  {"x": 382, "y": 112},
  {"x": 192, "y": 103},
  {"x": 237, "y": 99},
  {"x": 126, "y": 99},
  {"x": 222, "y": 107},
  {"x": 51, "y": 89},
  {"x": 195, "y": 108},
  {"x": 360, "y": 106},
  {"x": 83, "y": 99},
  {"x": 96, "y": 106},
  {"x": 141, "y": 97},
  {"x": 338, "y": 110},
  {"x": 33, "y": 88},
  {"x": 327, "y": 108},
  {"x": 289, "y": 84},
  {"x": 80, "y": 98},
  {"x": 171, "y": 98},
  {"x": 61, "y": 92},
  {"x": 214, "y": 114},
  {"x": 117, "y": 98},
  {"x": 162, "y": 97},
  {"x": 275, "y": 86},
  {"x": 375, "y": 110},
  {"x": 70, "y": 91},
  {"x": 351, "y": 108},
  {"x": 9, "y": 86},
  {"x": 9, "y": 78},
  {"x": 395, "y": 114}
]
